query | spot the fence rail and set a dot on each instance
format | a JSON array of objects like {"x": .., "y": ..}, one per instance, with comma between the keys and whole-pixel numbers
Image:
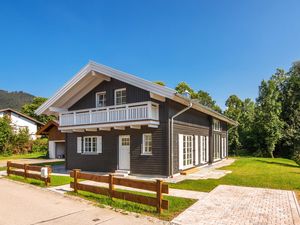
[
  {"x": 23, "y": 170},
  {"x": 156, "y": 186}
]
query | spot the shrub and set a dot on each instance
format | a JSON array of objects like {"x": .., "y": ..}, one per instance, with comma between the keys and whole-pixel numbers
[
  {"x": 6, "y": 134},
  {"x": 40, "y": 145}
]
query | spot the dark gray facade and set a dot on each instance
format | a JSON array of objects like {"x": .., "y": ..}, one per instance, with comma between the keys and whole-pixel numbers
[{"x": 191, "y": 122}]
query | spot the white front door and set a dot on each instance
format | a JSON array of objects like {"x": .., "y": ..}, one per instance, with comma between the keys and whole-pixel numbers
[{"x": 124, "y": 152}]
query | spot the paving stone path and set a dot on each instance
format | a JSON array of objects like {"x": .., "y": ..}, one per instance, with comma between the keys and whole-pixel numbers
[{"x": 231, "y": 205}]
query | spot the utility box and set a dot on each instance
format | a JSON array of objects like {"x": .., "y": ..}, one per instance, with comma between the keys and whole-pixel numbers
[{"x": 44, "y": 172}]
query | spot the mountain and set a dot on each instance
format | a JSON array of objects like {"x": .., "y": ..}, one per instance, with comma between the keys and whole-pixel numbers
[{"x": 14, "y": 100}]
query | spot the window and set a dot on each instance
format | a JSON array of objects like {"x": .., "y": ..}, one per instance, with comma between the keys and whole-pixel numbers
[
  {"x": 224, "y": 146},
  {"x": 147, "y": 144},
  {"x": 204, "y": 148},
  {"x": 187, "y": 150},
  {"x": 216, "y": 125},
  {"x": 120, "y": 96},
  {"x": 89, "y": 145},
  {"x": 217, "y": 146},
  {"x": 101, "y": 99},
  {"x": 125, "y": 141}
]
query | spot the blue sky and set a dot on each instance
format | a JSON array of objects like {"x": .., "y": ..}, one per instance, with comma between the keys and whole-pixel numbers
[{"x": 223, "y": 47}]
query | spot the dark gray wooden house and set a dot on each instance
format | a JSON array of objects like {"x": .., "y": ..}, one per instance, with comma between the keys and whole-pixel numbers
[{"x": 116, "y": 121}]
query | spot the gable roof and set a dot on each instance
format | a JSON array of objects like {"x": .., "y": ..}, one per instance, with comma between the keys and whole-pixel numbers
[
  {"x": 93, "y": 74},
  {"x": 44, "y": 129},
  {"x": 22, "y": 115}
]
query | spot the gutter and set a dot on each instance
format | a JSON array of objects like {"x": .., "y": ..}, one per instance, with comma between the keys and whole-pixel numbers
[{"x": 171, "y": 135}]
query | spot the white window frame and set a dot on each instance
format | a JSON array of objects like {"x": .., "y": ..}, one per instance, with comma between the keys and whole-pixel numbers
[
  {"x": 146, "y": 146},
  {"x": 216, "y": 125},
  {"x": 115, "y": 97},
  {"x": 204, "y": 149},
  {"x": 217, "y": 140},
  {"x": 97, "y": 99},
  {"x": 185, "y": 147},
  {"x": 98, "y": 145}
]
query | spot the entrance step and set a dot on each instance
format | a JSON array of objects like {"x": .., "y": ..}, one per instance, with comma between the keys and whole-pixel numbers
[
  {"x": 189, "y": 171},
  {"x": 122, "y": 173}
]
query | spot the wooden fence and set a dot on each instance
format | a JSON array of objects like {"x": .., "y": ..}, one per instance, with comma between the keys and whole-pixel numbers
[
  {"x": 155, "y": 186},
  {"x": 23, "y": 170}
]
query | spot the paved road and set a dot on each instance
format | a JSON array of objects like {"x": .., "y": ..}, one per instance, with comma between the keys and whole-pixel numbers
[
  {"x": 230, "y": 205},
  {"x": 23, "y": 204}
]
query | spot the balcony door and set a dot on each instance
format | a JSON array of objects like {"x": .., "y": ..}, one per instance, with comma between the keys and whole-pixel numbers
[{"x": 124, "y": 152}]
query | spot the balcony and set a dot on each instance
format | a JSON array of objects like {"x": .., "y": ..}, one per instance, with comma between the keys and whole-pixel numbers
[{"x": 140, "y": 111}]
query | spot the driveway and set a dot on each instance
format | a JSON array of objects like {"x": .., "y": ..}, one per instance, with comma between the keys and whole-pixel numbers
[
  {"x": 23, "y": 204},
  {"x": 29, "y": 161},
  {"x": 230, "y": 205}
]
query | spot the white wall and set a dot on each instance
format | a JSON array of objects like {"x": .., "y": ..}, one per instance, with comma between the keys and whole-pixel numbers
[{"x": 19, "y": 122}]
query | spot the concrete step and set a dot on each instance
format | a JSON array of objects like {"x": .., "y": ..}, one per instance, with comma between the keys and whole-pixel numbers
[{"x": 122, "y": 171}]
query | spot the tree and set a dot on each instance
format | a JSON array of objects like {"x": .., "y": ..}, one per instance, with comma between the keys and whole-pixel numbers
[
  {"x": 291, "y": 113},
  {"x": 268, "y": 126},
  {"x": 29, "y": 109},
  {"x": 246, "y": 125},
  {"x": 206, "y": 100},
  {"x": 6, "y": 134},
  {"x": 203, "y": 97},
  {"x": 161, "y": 83},
  {"x": 182, "y": 87},
  {"x": 234, "y": 106}
]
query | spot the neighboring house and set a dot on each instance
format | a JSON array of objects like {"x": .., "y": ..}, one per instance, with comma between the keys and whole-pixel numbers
[
  {"x": 56, "y": 139},
  {"x": 21, "y": 121},
  {"x": 116, "y": 121}
]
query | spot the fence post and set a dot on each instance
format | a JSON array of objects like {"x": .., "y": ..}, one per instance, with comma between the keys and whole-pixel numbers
[
  {"x": 48, "y": 179},
  {"x": 158, "y": 195},
  {"x": 111, "y": 185},
  {"x": 25, "y": 171},
  {"x": 75, "y": 171},
  {"x": 8, "y": 168}
]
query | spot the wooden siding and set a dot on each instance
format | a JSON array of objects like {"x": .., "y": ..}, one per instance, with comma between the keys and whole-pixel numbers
[
  {"x": 107, "y": 161},
  {"x": 54, "y": 134},
  {"x": 134, "y": 94}
]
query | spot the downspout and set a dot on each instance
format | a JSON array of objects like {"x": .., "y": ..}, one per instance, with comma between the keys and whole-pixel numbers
[{"x": 171, "y": 134}]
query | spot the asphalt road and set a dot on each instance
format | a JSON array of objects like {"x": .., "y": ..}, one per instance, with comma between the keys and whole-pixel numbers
[{"x": 24, "y": 204}]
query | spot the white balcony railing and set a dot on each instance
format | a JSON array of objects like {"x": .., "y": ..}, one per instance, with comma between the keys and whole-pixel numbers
[{"x": 121, "y": 113}]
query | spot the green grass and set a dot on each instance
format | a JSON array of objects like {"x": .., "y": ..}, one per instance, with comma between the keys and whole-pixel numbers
[
  {"x": 252, "y": 172},
  {"x": 176, "y": 204},
  {"x": 55, "y": 180},
  {"x": 2, "y": 168},
  {"x": 34, "y": 155}
]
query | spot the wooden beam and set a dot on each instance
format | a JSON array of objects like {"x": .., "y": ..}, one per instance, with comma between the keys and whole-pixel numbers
[
  {"x": 58, "y": 110},
  {"x": 78, "y": 130},
  {"x": 135, "y": 127},
  {"x": 91, "y": 129},
  {"x": 119, "y": 128},
  {"x": 101, "y": 76},
  {"x": 152, "y": 126},
  {"x": 66, "y": 131},
  {"x": 105, "y": 128},
  {"x": 157, "y": 97}
]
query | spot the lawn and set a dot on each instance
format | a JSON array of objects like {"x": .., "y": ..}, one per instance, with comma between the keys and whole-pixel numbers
[
  {"x": 176, "y": 204},
  {"x": 34, "y": 155},
  {"x": 49, "y": 163},
  {"x": 252, "y": 172},
  {"x": 55, "y": 180}
]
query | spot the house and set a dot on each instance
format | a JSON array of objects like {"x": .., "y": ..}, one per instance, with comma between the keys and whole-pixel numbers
[
  {"x": 116, "y": 121},
  {"x": 21, "y": 121},
  {"x": 56, "y": 139}
]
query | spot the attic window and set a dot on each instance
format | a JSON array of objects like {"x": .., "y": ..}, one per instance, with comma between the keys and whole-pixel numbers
[
  {"x": 101, "y": 99},
  {"x": 216, "y": 125},
  {"x": 120, "y": 96}
]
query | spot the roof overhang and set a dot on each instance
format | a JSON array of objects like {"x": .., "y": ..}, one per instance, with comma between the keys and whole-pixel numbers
[
  {"x": 88, "y": 78},
  {"x": 93, "y": 74}
]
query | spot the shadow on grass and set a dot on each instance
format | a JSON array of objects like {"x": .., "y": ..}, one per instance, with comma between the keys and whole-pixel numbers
[{"x": 277, "y": 163}]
